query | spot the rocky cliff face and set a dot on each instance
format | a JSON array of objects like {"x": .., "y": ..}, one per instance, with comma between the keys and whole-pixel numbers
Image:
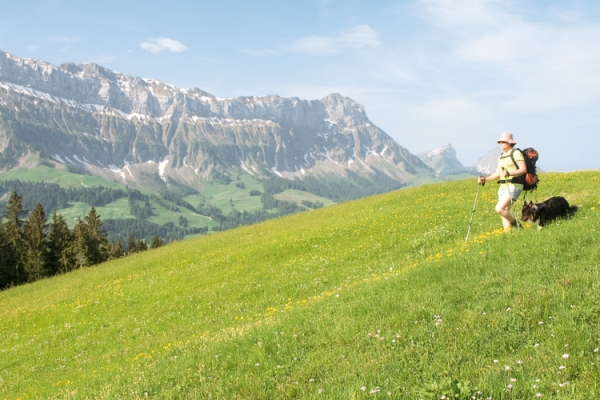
[
  {"x": 127, "y": 128},
  {"x": 443, "y": 161}
]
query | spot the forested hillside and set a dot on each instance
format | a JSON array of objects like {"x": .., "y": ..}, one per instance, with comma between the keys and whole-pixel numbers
[
  {"x": 33, "y": 247},
  {"x": 142, "y": 206}
]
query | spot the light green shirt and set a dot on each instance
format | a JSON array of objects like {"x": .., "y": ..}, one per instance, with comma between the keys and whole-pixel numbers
[{"x": 505, "y": 161}]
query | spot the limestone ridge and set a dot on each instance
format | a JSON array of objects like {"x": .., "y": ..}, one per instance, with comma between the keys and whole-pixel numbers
[
  {"x": 443, "y": 161},
  {"x": 128, "y": 128},
  {"x": 486, "y": 165}
]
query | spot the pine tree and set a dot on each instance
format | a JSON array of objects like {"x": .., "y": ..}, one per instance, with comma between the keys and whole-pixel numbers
[
  {"x": 14, "y": 235},
  {"x": 60, "y": 257},
  {"x": 35, "y": 248},
  {"x": 141, "y": 245},
  {"x": 79, "y": 245},
  {"x": 97, "y": 245},
  {"x": 7, "y": 257},
  {"x": 131, "y": 245},
  {"x": 156, "y": 242},
  {"x": 116, "y": 250}
]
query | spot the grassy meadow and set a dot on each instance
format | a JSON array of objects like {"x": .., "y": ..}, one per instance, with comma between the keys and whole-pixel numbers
[
  {"x": 375, "y": 298},
  {"x": 227, "y": 197}
]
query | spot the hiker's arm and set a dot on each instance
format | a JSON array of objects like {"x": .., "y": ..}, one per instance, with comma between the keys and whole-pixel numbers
[
  {"x": 521, "y": 171},
  {"x": 493, "y": 177}
]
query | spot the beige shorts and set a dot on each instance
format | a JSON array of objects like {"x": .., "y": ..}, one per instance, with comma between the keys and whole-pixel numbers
[{"x": 515, "y": 192}]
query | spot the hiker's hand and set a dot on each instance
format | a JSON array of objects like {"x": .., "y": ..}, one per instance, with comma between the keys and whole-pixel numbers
[
  {"x": 481, "y": 180},
  {"x": 505, "y": 173}
]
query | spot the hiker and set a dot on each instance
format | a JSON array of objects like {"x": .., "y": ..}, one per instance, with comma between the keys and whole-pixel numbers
[{"x": 508, "y": 192}]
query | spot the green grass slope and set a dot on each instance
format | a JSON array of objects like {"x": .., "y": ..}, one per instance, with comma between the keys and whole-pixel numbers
[
  {"x": 375, "y": 298},
  {"x": 228, "y": 197}
]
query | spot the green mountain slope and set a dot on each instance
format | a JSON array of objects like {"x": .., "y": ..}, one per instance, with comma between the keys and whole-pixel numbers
[
  {"x": 173, "y": 211},
  {"x": 378, "y": 297}
]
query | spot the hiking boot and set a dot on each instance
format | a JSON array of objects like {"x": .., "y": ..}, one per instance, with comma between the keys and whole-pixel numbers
[{"x": 516, "y": 224}]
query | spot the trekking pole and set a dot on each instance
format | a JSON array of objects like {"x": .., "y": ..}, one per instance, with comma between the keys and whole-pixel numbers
[{"x": 472, "y": 213}]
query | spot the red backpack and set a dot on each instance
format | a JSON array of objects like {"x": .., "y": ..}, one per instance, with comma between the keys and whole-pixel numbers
[{"x": 530, "y": 179}]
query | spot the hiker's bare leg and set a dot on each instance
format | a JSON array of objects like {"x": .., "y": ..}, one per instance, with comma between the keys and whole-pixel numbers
[{"x": 503, "y": 209}]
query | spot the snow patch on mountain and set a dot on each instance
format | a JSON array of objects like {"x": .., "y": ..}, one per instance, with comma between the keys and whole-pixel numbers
[{"x": 161, "y": 168}]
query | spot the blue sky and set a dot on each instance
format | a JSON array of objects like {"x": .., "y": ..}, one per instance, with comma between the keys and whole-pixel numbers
[{"x": 429, "y": 72}]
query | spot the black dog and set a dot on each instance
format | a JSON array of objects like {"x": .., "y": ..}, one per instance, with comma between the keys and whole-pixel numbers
[{"x": 539, "y": 214}]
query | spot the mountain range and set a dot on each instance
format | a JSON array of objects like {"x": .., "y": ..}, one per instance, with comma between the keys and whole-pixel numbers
[
  {"x": 122, "y": 127},
  {"x": 151, "y": 135}
]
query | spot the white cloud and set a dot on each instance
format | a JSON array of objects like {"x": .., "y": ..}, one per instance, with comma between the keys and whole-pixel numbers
[
  {"x": 316, "y": 45},
  {"x": 359, "y": 37},
  {"x": 547, "y": 67},
  {"x": 545, "y": 63},
  {"x": 156, "y": 45},
  {"x": 459, "y": 15}
]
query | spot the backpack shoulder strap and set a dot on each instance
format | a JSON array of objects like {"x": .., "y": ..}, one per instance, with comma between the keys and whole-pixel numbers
[{"x": 512, "y": 157}]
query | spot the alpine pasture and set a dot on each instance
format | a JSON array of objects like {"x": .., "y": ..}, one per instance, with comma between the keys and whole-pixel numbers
[{"x": 375, "y": 298}]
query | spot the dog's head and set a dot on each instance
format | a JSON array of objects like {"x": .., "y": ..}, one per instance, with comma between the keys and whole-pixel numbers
[{"x": 529, "y": 212}]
